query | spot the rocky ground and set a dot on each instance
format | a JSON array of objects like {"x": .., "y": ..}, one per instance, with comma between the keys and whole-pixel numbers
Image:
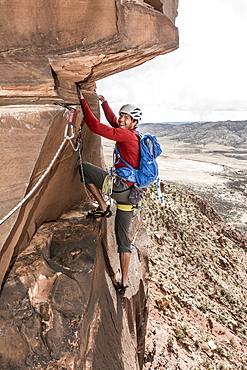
[{"x": 198, "y": 286}]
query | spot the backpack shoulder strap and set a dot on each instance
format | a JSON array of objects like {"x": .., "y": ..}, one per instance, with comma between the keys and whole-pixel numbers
[
  {"x": 116, "y": 151},
  {"x": 138, "y": 133}
]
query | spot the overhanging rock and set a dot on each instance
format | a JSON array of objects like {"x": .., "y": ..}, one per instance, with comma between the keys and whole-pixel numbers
[{"x": 48, "y": 46}]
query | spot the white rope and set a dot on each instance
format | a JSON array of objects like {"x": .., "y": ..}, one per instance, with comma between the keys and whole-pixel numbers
[
  {"x": 66, "y": 137},
  {"x": 83, "y": 178},
  {"x": 36, "y": 185}
]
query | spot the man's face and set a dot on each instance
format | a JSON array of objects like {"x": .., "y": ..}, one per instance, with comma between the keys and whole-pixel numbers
[{"x": 125, "y": 121}]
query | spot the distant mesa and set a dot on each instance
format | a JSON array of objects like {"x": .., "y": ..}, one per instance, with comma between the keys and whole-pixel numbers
[{"x": 228, "y": 133}]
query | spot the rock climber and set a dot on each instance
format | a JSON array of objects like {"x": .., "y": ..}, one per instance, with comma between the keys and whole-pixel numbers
[{"x": 121, "y": 131}]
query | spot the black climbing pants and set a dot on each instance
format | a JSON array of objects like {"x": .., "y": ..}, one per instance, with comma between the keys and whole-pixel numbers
[{"x": 96, "y": 175}]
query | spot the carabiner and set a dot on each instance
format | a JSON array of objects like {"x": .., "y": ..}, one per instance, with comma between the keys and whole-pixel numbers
[
  {"x": 66, "y": 136},
  {"x": 70, "y": 125}
]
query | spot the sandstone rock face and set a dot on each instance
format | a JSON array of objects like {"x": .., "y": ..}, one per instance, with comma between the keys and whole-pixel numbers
[
  {"x": 59, "y": 308},
  {"x": 31, "y": 140},
  {"x": 46, "y": 47},
  {"x": 58, "y": 304}
]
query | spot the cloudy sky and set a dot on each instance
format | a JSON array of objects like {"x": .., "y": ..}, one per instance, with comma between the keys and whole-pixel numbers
[{"x": 204, "y": 80}]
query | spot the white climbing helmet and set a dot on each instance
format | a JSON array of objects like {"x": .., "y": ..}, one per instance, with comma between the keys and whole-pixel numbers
[{"x": 132, "y": 110}]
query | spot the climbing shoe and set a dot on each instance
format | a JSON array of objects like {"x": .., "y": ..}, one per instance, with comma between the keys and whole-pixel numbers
[
  {"x": 122, "y": 290},
  {"x": 97, "y": 213}
]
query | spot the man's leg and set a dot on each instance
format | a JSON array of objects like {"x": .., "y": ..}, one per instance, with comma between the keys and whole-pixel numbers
[
  {"x": 94, "y": 177},
  {"x": 124, "y": 258},
  {"x": 97, "y": 195},
  {"x": 122, "y": 225}
]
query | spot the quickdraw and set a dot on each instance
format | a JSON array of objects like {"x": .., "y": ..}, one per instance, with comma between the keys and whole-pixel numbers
[{"x": 107, "y": 187}]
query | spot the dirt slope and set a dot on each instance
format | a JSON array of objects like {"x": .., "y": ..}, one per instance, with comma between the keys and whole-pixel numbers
[{"x": 198, "y": 282}]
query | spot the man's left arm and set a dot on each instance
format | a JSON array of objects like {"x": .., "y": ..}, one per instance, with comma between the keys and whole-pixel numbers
[{"x": 97, "y": 127}]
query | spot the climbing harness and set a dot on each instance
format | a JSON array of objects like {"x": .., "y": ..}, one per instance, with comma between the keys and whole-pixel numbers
[
  {"x": 68, "y": 135},
  {"x": 125, "y": 207}
]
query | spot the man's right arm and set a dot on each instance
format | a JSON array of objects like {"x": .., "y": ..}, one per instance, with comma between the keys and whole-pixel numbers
[{"x": 110, "y": 116}]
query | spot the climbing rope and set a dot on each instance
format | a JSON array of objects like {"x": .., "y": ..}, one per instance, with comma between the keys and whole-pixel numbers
[
  {"x": 83, "y": 178},
  {"x": 68, "y": 137}
]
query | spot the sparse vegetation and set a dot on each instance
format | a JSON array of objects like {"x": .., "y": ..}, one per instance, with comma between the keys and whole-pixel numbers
[
  {"x": 196, "y": 343},
  {"x": 170, "y": 343},
  {"x": 220, "y": 350},
  {"x": 196, "y": 272},
  {"x": 180, "y": 334},
  {"x": 206, "y": 364},
  {"x": 203, "y": 308}
]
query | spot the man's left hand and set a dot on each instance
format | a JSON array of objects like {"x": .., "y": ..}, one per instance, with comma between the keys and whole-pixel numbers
[{"x": 81, "y": 95}]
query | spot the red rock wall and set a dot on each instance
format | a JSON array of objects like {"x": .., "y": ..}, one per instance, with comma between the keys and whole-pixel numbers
[
  {"x": 31, "y": 141},
  {"x": 47, "y": 47},
  {"x": 59, "y": 308}
]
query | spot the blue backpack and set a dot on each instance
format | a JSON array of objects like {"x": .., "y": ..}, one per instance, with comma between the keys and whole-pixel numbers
[{"x": 148, "y": 170}]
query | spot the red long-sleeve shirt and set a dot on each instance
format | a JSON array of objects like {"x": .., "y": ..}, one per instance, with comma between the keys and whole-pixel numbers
[{"x": 127, "y": 140}]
